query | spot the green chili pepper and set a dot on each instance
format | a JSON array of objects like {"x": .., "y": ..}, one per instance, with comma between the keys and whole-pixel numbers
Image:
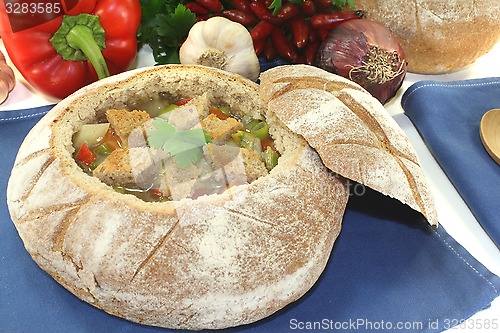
[
  {"x": 270, "y": 158},
  {"x": 261, "y": 130},
  {"x": 168, "y": 109},
  {"x": 225, "y": 110},
  {"x": 250, "y": 141},
  {"x": 120, "y": 189},
  {"x": 103, "y": 149},
  {"x": 237, "y": 136}
]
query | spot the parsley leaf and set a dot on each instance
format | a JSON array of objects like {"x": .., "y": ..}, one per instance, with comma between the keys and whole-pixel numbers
[
  {"x": 185, "y": 147},
  {"x": 164, "y": 24},
  {"x": 275, "y": 6},
  {"x": 342, "y": 3},
  {"x": 176, "y": 24}
]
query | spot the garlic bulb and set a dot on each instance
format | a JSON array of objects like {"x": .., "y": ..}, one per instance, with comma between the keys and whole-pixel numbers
[{"x": 221, "y": 43}]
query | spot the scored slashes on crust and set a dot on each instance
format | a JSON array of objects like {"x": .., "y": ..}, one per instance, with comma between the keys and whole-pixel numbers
[
  {"x": 218, "y": 261},
  {"x": 351, "y": 131}
]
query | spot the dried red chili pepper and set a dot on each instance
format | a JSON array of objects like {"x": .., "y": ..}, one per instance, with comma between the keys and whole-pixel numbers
[
  {"x": 260, "y": 10},
  {"x": 239, "y": 16},
  {"x": 261, "y": 30},
  {"x": 214, "y": 5},
  {"x": 331, "y": 20},
  {"x": 243, "y": 5},
  {"x": 309, "y": 8},
  {"x": 269, "y": 50},
  {"x": 324, "y": 5},
  {"x": 283, "y": 45},
  {"x": 259, "y": 45},
  {"x": 196, "y": 8},
  {"x": 310, "y": 52},
  {"x": 287, "y": 11},
  {"x": 300, "y": 32},
  {"x": 267, "y": 3}
]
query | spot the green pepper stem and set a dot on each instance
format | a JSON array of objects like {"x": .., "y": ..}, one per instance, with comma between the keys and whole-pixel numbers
[{"x": 81, "y": 38}]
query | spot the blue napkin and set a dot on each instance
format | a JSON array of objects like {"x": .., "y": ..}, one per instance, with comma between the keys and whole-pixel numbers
[
  {"x": 447, "y": 115},
  {"x": 389, "y": 271}
]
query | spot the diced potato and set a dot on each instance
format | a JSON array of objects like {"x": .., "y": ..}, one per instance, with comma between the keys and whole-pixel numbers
[{"x": 91, "y": 134}]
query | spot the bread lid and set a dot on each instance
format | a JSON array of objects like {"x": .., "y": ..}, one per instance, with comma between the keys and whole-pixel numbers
[{"x": 351, "y": 131}]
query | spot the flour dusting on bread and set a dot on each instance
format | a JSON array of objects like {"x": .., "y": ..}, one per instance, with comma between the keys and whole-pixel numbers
[
  {"x": 351, "y": 131},
  {"x": 208, "y": 263}
]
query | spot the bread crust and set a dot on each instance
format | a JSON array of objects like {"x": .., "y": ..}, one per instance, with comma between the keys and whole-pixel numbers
[
  {"x": 214, "y": 262},
  {"x": 439, "y": 36},
  {"x": 350, "y": 130}
]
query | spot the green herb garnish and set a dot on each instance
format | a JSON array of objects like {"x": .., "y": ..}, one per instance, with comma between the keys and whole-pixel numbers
[
  {"x": 342, "y": 3},
  {"x": 185, "y": 147},
  {"x": 164, "y": 25},
  {"x": 275, "y": 6}
]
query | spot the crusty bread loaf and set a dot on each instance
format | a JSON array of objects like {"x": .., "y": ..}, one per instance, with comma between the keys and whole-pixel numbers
[
  {"x": 350, "y": 130},
  {"x": 439, "y": 36},
  {"x": 217, "y": 261}
]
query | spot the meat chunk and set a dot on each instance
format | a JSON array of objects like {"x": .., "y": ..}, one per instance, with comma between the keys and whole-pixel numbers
[
  {"x": 202, "y": 105},
  {"x": 221, "y": 130},
  {"x": 184, "y": 117},
  {"x": 180, "y": 182},
  {"x": 239, "y": 165},
  {"x": 189, "y": 115}
]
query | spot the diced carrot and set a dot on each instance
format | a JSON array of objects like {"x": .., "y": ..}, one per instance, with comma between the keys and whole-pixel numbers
[
  {"x": 112, "y": 139},
  {"x": 157, "y": 193},
  {"x": 218, "y": 113},
  {"x": 183, "y": 101}
]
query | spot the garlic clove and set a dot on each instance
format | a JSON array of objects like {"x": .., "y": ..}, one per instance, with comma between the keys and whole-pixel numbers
[
  {"x": 211, "y": 30},
  {"x": 233, "y": 39},
  {"x": 247, "y": 64}
]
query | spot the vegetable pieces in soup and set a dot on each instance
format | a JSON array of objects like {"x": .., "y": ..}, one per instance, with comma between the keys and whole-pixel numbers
[{"x": 185, "y": 150}]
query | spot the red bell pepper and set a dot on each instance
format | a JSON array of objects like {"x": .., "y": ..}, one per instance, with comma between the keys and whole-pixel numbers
[
  {"x": 85, "y": 155},
  {"x": 93, "y": 39}
]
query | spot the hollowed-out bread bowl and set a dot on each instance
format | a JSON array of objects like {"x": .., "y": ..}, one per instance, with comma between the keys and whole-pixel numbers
[{"x": 212, "y": 262}]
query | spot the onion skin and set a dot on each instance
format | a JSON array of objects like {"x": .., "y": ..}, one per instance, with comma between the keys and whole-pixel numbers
[
  {"x": 367, "y": 53},
  {"x": 7, "y": 79}
]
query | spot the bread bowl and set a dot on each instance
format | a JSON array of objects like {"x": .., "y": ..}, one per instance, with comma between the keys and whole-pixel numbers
[
  {"x": 216, "y": 261},
  {"x": 438, "y": 36}
]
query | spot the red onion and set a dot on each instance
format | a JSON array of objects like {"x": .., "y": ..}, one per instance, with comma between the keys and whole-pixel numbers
[{"x": 367, "y": 53}]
